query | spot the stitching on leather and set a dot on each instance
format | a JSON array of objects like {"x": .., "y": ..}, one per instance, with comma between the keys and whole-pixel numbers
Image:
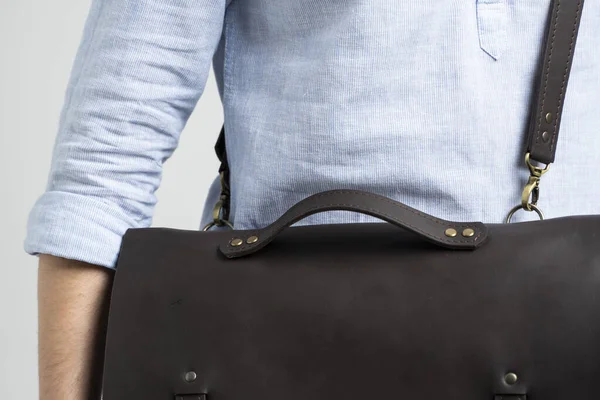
[
  {"x": 539, "y": 125},
  {"x": 562, "y": 86},
  {"x": 386, "y": 200},
  {"x": 285, "y": 222},
  {"x": 245, "y": 247},
  {"x": 426, "y": 234},
  {"x": 391, "y": 217},
  {"x": 379, "y": 198},
  {"x": 389, "y": 201}
]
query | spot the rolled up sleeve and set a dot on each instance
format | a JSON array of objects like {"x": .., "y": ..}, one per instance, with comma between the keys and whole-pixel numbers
[{"x": 139, "y": 71}]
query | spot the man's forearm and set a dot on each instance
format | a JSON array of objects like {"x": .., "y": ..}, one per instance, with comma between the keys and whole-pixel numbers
[{"x": 73, "y": 307}]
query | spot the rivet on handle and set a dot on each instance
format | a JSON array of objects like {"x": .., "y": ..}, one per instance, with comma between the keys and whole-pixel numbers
[
  {"x": 451, "y": 232},
  {"x": 236, "y": 242},
  {"x": 468, "y": 232}
]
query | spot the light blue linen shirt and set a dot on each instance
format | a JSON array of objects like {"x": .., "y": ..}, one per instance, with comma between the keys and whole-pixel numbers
[{"x": 425, "y": 102}]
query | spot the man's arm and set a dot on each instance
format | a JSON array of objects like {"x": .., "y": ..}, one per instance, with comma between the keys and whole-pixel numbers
[
  {"x": 139, "y": 71},
  {"x": 73, "y": 299}
]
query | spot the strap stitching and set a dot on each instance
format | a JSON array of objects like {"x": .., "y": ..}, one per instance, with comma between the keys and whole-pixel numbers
[
  {"x": 537, "y": 136},
  {"x": 424, "y": 233},
  {"x": 386, "y": 200},
  {"x": 562, "y": 87},
  {"x": 391, "y": 217}
]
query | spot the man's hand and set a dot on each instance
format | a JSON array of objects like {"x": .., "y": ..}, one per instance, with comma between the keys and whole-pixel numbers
[{"x": 73, "y": 299}]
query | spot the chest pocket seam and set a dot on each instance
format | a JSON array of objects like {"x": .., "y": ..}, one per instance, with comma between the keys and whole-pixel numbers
[{"x": 492, "y": 21}]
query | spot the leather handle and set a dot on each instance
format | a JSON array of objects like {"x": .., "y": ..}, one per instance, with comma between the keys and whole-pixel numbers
[{"x": 430, "y": 228}]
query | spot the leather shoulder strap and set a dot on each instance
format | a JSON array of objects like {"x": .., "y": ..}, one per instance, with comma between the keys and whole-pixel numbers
[{"x": 559, "y": 47}]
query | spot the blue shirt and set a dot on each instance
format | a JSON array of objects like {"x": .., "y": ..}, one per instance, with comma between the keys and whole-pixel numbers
[{"x": 425, "y": 102}]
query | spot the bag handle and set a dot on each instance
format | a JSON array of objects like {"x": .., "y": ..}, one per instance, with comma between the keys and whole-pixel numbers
[
  {"x": 453, "y": 235},
  {"x": 545, "y": 117}
]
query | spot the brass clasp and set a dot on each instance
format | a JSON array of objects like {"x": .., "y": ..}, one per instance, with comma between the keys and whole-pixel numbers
[
  {"x": 220, "y": 211},
  {"x": 536, "y": 171},
  {"x": 531, "y": 192}
]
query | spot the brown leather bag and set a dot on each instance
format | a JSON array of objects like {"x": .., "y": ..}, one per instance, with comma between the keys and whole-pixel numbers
[{"x": 437, "y": 310}]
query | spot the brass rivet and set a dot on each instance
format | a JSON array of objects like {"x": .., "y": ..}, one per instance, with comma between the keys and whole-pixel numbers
[
  {"x": 545, "y": 136},
  {"x": 236, "y": 242},
  {"x": 252, "y": 239},
  {"x": 468, "y": 232},
  {"x": 450, "y": 232},
  {"x": 190, "y": 376},
  {"x": 549, "y": 117},
  {"x": 511, "y": 378}
]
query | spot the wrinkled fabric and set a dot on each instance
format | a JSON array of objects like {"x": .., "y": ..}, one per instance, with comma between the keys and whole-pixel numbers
[{"x": 425, "y": 102}]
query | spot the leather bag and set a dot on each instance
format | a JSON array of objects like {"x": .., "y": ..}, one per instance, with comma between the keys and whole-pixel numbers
[{"x": 416, "y": 308}]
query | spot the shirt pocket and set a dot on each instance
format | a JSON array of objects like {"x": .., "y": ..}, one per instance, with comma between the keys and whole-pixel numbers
[{"x": 492, "y": 18}]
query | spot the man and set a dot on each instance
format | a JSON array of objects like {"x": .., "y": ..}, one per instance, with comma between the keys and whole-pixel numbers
[{"x": 421, "y": 101}]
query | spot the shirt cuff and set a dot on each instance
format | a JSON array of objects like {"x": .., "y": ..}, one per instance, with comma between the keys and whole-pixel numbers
[{"x": 77, "y": 227}]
